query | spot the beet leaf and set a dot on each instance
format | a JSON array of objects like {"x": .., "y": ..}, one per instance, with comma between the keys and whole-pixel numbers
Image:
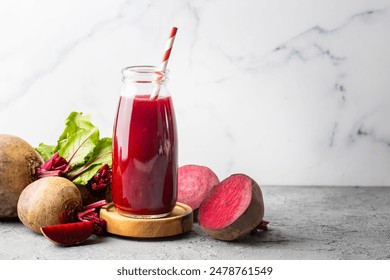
[
  {"x": 46, "y": 151},
  {"x": 100, "y": 156},
  {"x": 79, "y": 154},
  {"x": 73, "y": 124},
  {"x": 79, "y": 145}
]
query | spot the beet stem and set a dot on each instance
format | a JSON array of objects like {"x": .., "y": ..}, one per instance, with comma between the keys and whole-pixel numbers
[
  {"x": 81, "y": 215},
  {"x": 96, "y": 204},
  {"x": 263, "y": 225},
  {"x": 55, "y": 166},
  {"x": 90, "y": 213}
]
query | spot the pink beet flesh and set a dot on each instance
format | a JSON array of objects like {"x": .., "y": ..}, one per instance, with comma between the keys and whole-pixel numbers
[
  {"x": 194, "y": 183},
  {"x": 226, "y": 202}
]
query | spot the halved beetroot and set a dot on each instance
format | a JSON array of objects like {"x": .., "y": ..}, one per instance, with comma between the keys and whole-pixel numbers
[
  {"x": 69, "y": 234},
  {"x": 194, "y": 182},
  {"x": 232, "y": 209}
]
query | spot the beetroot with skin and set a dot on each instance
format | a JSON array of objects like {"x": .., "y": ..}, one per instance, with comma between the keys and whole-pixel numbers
[
  {"x": 49, "y": 201},
  {"x": 69, "y": 234},
  {"x": 232, "y": 209},
  {"x": 18, "y": 164},
  {"x": 194, "y": 183}
]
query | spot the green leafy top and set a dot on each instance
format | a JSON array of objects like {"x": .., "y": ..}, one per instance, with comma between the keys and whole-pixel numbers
[{"x": 80, "y": 145}]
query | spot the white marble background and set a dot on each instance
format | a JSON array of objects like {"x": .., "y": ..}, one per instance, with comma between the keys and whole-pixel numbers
[{"x": 289, "y": 92}]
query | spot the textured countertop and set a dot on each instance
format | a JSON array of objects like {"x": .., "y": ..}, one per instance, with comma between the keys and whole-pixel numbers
[{"x": 305, "y": 223}]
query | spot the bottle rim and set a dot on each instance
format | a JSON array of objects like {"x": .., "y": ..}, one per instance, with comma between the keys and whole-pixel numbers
[{"x": 144, "y": 74}]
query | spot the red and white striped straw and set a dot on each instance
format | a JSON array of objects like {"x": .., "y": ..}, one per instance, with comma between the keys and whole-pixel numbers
[
  {"x": 163, "y": 64},
  {"x": 168, "y": 48}
]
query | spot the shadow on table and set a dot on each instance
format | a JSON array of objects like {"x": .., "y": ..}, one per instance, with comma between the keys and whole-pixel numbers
[
  {"x": 10, "y": 220},
  {"x": 271, "y": 237},
  {"x": 261, "y": 238},
  {"x": 188, "y": 235}
]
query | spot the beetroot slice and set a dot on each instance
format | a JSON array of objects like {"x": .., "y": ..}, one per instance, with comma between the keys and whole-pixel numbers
[
  {"x": 232, "y": 209},
  {"x": 69, "y": 234},
  {"x": 194, "y": 183}
]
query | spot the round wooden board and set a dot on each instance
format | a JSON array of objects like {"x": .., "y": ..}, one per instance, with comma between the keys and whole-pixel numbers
[{"x": 178, "y": 222}]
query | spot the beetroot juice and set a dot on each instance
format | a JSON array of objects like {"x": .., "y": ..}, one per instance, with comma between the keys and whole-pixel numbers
[{"x": 144, "y": 182}]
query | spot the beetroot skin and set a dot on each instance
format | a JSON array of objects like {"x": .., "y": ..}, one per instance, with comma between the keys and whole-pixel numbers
[
  {"x": 232, "y": 209},
  {"x": 194, "y": 183}
]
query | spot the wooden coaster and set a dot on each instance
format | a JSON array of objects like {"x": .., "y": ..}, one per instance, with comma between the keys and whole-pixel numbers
[{"x": 178, "y": 222}]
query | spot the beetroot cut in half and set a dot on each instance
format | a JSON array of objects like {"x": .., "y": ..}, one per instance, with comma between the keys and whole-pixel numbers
[
  {"x": 69, "y": 234},
  {"x": 194, "y": 183},
  {"x": 232, "y": 209}
]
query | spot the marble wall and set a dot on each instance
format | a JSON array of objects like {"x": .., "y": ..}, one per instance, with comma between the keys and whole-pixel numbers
[{"x": 290, "y": 92}]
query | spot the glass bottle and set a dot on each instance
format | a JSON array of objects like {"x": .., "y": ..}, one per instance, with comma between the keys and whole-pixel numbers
[{"x": 145, "y": 148}]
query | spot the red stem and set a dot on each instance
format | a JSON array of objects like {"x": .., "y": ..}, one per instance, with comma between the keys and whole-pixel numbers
[
  {"x": 263, "y": 225},
  {"x": 81, "y": 214},
  {"x": 96, "y": 204}
]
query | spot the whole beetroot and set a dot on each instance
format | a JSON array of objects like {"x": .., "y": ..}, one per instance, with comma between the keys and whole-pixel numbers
[
  {"x": 49, "y": 201},
  {"x": 18, "y": 164}
]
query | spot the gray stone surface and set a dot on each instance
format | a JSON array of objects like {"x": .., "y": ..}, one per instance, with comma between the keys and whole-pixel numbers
[{"x": 305, "y": 223}]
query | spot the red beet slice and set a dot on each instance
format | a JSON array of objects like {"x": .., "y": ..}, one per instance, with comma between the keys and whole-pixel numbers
[
  {"x": 232, "y": 209},
  {"x": 69, "y": 234},
  {"x": 194, "y": 182}
]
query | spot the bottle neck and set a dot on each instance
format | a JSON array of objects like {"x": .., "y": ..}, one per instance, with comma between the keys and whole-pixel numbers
[{"x": 144, "y": 80}]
